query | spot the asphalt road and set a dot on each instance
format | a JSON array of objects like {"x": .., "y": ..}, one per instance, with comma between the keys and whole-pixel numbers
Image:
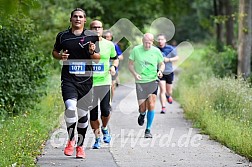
[{"x": 174, "y": 142}]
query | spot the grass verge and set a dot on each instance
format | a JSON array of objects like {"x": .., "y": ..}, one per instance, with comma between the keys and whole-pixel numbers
[
  {"x": 23, "y": 136},
  {"x": 220, "y": 107}
]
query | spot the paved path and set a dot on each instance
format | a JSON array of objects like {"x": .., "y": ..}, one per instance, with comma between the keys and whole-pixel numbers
[{"x": 174, "y": 142}]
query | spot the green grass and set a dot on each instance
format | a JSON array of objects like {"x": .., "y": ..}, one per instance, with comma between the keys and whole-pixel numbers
[
  {"x": 228, "y": 131},
  {"x": 220, "y": 107},
  {"x": 22, "y": 137}
]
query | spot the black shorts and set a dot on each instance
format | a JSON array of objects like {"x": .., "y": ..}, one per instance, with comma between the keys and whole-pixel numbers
[
  {"x": 101, "y": 93},
  {"x": 168, "y": 78},
  {"x": 80, "y": 91},
  {"x": 143, "y": 90}
]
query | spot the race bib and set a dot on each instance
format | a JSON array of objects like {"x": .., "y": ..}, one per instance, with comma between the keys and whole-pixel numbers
[
  {"x": 77, "y": 67},
  {"x": 98, "y": 68}
]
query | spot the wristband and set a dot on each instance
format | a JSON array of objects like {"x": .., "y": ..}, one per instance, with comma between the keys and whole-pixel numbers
[{"x": 92, "y": 52}]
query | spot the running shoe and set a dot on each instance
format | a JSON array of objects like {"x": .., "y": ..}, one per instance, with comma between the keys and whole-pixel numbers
[
  {"x": 162, "y": 112},
  {"x": 141, "y": 119},
  {"x": 147, "y": 134},
  {"x": 80, "y": 152},
  {"x": 106, "y": 136},
  {"x": 97, "y": 143},
  {"x": 69, "y": 149},
  {"x": 169, "y": 99}
]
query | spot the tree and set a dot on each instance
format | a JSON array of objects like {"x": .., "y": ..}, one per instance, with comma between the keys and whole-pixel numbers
[
  {"x": 244, "y": 38},
  {"x": 14, "y": 7},
  {"x": 218, "y": 12},
  {"x": 224, "y": 20},
  {"x": 229, "y": 23}
]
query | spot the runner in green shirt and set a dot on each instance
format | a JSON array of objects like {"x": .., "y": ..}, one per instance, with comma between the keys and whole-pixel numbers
[
  {"x": 102, "y": 74},
  {"x": 102, "y": 84},
  {"x": 143, "y": 62}
]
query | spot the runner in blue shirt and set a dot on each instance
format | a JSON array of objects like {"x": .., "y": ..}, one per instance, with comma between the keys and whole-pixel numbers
[
  {"x": 170, "y": 55},
  {"x": 115, "y": 79}
]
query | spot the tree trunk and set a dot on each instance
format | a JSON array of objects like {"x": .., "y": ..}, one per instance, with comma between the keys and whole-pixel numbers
[
  {"x": 229, "y": 23},
  {"x": 244, "y": 39},
  {"x": 218, "y": 10}
]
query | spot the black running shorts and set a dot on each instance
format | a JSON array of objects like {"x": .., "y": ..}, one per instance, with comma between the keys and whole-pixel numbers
[
  {"x": 81, "y": 92},
  {"x": 168, "y": 78}
]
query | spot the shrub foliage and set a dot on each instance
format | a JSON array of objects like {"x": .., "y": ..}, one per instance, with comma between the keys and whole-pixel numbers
[{"x": 22, "y": 66}]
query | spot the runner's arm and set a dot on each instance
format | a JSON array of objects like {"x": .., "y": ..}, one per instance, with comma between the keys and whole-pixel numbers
[
  {"x": 60, "y": 56},
  {"x": 132, "y": 70},
  {"x": 161, "y": 67},
  {"x": 94, "y": 55},
  {"x": 172, "y": 59}
]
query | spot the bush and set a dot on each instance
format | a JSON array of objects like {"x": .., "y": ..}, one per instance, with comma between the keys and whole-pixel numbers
[
  {"x": 22, "y": 67},
  {"x": 222, "y": 63}
]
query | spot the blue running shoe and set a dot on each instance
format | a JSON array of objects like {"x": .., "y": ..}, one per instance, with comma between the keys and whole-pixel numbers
[
  {"x": 97, "y": 143},
  {"x": 106, "y": 136}
]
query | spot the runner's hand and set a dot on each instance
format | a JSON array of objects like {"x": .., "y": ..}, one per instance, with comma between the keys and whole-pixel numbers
[
  {"x": 64, "y": 55},
  {"x": 112, "y": 70},
  {"x": 91, "y": 48},
  {"x": 160, "y": 74},
  {"x": 138, "y": 77}
]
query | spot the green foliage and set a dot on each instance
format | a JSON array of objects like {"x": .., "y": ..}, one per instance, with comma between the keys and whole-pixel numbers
[
  {"x": 15, "y": 7},
  {"x": 223, "y": 63},
  {"x": 194, "y": 24},
  {"x": 202, "y": 72},
  {"x": 22, "y": 137},
  {"x": 138, "y": 12},
  {"x": 22, "y": 67},
  {"x": 185, "y": 31},
  {"x": 186, "y": 15}
]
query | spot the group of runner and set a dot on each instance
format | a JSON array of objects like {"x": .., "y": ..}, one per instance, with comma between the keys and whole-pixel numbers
[{"x": 89, "y": 62}]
